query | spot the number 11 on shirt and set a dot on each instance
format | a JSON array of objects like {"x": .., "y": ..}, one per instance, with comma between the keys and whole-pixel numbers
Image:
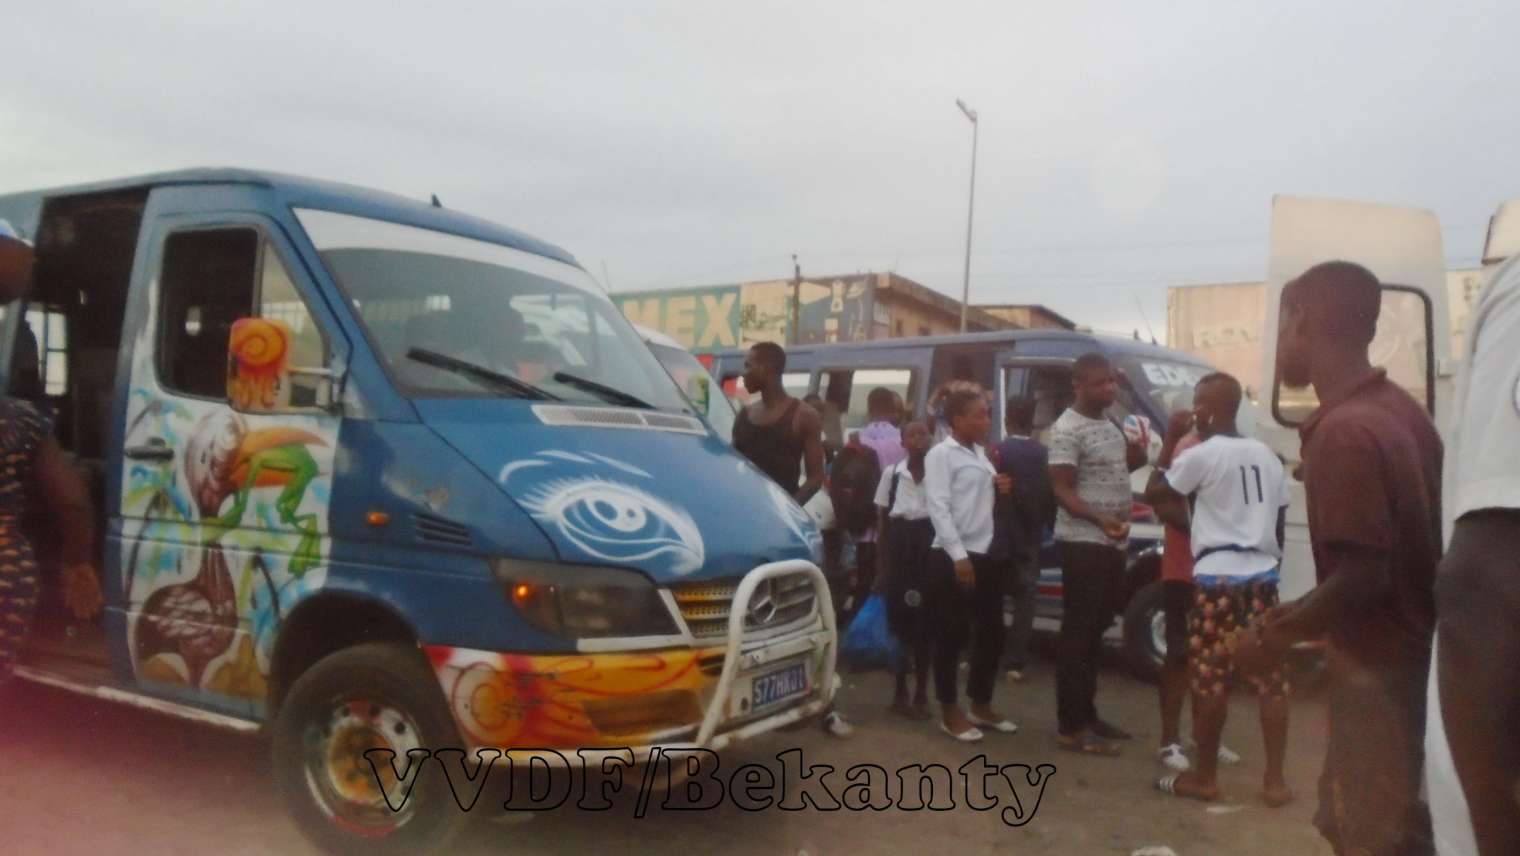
[{"x": 1245, "y": 488}]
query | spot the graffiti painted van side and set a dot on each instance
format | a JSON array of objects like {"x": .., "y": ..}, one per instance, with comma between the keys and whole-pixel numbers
[{"x": 377, "y": 475}]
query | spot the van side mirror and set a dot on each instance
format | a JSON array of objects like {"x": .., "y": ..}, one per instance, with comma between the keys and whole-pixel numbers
[{"x": 260, "y": 378}]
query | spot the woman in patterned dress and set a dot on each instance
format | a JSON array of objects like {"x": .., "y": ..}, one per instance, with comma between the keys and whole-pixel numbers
[{"x": 31, "y": 458}]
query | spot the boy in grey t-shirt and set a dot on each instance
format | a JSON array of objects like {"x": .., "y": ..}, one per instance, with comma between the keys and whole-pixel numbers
[{"x": 1090, "y": 463}]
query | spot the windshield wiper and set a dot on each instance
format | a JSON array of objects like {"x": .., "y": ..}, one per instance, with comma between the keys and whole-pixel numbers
[
  {"x": 480, "y": 374},
  {"x": 616, "y": 396}
]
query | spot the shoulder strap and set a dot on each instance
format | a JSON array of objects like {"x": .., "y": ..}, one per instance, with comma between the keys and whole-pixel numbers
[{"x": 892, "y": 492}]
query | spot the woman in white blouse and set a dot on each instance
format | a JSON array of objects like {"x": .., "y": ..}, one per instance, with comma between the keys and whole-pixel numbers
[{"x": 966, "y": 578}]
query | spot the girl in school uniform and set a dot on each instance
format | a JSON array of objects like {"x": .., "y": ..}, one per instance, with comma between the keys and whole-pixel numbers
[{"x": 902, "y": 561}]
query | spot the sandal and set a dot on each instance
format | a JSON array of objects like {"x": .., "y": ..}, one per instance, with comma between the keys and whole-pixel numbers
[
  {"x": 1002, "y": 726},
  {"x": 1086, "y": 745},
  {"x": 1168, "y": 785},
  {"x": 1226, "y": 754},
  {"x": 1173, "y": 758},
  {"x": 970, "y": 735}
]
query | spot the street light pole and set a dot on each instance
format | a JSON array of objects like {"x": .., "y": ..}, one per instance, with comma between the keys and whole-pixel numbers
[{"x": 970, "y": 211}]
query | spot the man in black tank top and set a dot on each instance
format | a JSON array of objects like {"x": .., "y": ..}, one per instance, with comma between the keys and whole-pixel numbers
[
  {"x": 783, "y": 438},
  {"x": 779, "y": 434}
]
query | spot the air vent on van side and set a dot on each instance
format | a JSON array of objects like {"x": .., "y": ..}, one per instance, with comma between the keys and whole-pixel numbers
[
  {"x": 610, "y": 417},
  {"x": 436, "y": 530}
]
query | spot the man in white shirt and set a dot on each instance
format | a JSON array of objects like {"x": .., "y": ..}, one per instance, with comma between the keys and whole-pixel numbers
[
  {"x": 1472, "y": 735},
  {"x": 1240, "y": 494},
  {"x": 959, "y": 483}
]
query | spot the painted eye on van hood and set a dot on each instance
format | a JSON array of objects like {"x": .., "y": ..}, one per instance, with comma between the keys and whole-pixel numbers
[{"x": 618, "y": 523}]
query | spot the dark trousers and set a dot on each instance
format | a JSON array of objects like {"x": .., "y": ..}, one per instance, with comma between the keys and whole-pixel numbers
[
  {"x": 959, "y": 614},
  {"x": 1023, "y": 576},
  {"x": 1477, "y": 599},
  {"x": 1092, "y": 579}
]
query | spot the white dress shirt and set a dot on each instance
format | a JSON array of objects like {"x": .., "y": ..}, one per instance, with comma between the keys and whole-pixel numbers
[
  {"x": 909, "y": 503},
  {"x": 958, "y": 484}
]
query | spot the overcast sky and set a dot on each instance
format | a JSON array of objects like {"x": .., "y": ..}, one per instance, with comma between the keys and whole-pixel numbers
[{"x": 690, "y": 143}]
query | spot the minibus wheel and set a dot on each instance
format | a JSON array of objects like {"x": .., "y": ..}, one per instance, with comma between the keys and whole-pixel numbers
[
  {"x": 1145, "y": 631},
  {"x": 378, "y": 695}
]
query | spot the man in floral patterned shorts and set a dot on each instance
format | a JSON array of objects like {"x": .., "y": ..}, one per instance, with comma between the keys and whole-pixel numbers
[{"x": 1239, "y": 493}]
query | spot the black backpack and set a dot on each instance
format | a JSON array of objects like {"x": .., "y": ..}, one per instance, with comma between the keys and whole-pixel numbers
[{"x": 852, "y": 487}]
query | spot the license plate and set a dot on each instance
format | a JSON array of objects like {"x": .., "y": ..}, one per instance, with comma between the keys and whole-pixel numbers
[{"x": 779, "y": 685}]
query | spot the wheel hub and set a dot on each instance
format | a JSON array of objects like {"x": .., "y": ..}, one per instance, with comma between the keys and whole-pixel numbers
[{"x": 364, "y": 796}]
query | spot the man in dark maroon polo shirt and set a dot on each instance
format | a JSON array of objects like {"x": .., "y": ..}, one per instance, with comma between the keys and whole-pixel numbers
[{"x": 1372, "y": 473}]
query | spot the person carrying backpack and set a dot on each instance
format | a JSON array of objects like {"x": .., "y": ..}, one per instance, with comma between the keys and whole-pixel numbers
[{"x": 853, "y": 481}]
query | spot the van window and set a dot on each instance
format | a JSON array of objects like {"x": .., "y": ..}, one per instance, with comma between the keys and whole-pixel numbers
[
  {"x": 1050, "y": 387},
  {"x": 795, "y": 383},
  {"x": 207, "y": 283},
  {"x": 845, "y": 391},
  {"x": 1403, "y": 345},
  {"x": 279, "y": 300}
]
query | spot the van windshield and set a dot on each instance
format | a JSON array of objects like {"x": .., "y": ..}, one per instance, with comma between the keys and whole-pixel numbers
[
  {"x": 1167, "y": 383},
  {"x": 445, "y": 311}
]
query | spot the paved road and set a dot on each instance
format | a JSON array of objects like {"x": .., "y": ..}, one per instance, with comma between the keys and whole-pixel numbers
[{"x": 89, "y": 777}]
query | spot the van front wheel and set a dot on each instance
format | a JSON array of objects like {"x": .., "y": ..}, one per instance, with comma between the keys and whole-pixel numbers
[{"x": 378, "y": 695}]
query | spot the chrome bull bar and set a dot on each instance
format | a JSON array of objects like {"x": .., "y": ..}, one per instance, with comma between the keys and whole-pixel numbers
[{"x": 734, "y": 656}]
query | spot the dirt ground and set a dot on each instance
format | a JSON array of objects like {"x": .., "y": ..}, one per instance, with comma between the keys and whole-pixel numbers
[{"x": 85, "y": 776}]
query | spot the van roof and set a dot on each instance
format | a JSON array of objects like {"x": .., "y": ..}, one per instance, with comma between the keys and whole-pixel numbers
[
  {"x": 1098, "y": 341},
  {"x": 301, "y": 192}
]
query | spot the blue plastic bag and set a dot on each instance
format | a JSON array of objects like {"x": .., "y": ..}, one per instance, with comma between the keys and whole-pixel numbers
[{"x": 868, "y": 644}]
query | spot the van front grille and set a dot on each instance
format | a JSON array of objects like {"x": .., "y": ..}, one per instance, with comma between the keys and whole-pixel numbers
[{"x": 778, "y": 604}]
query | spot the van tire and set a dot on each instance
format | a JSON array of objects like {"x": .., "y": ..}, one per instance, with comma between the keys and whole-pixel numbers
[
  {"x": 1144, "y": 614},
  {"x": 405, "y": 709}
]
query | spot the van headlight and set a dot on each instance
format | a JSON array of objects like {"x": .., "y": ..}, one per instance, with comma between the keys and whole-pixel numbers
[{"x": 582, "y": 601}]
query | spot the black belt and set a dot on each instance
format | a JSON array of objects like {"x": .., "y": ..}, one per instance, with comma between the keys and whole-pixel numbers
[{"x": 1228, "y": 548}]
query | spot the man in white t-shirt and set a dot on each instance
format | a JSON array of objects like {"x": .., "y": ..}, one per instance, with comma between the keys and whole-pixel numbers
[
  {"x": 1239, "y": 493},
  {"x": 1472, "y": 734}
]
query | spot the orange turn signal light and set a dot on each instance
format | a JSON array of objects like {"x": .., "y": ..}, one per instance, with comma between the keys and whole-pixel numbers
[{"x": 377, "y": 518}]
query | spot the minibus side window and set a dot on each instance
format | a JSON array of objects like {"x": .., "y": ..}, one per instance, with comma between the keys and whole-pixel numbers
[
  {"x": 795, "y": 384},
  {"x": 845, "y": 392},
  {"x": 1050, "y": 387},
  {"x": 207, "y": 284},
  {"x": 210, "y": 279},
  {"x": 278, "y": 299}
]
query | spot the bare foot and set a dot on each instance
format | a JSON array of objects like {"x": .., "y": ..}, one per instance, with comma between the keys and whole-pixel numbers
[
  {"x": 1276, "y": 794},
  {"x": 985, "y": 713},
  {"x": 955, "y": 719}
]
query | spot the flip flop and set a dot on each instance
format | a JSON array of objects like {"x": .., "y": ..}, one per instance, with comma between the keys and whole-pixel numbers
[
  {"x": 1174, "y": 758},
  {"x": 1002, "y": 726},
  {"x": 970, "y": 735},
  {"x": 1087, "y": 746},
  {"x": 1168, "y": 785}
]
